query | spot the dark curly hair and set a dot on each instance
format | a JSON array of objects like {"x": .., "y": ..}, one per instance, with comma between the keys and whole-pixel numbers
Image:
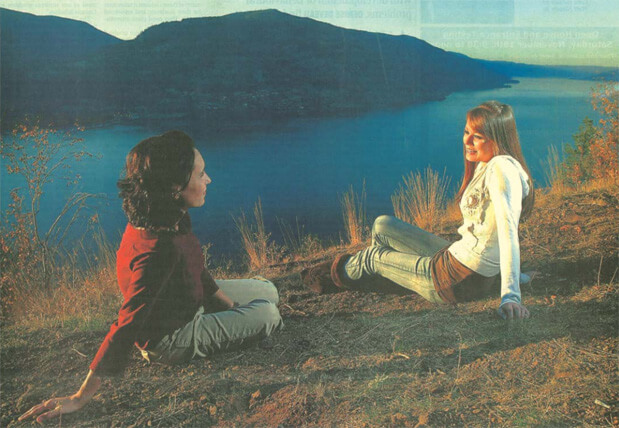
[{"x": 157, "y": 169}]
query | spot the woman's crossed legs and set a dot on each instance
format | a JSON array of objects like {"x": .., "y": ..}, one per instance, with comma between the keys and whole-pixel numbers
[
  {"x": 255, "y": 318},
  {"x": 401, "y": 253}
]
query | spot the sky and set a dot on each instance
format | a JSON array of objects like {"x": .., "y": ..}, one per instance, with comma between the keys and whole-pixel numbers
[{"x": 555, "y": 32}]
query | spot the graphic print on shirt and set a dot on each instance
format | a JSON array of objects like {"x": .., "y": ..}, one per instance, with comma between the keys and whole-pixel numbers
[{"x": 475, "y": 200}]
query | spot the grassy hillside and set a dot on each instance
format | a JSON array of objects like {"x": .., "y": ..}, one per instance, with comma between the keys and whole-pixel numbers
[{"x": 370, "y": 359}]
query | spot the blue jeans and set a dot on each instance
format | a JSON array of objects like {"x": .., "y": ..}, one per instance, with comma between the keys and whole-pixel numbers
[
  {"x": 400, "y": 252},
  {"x": 255, "y": 318}
]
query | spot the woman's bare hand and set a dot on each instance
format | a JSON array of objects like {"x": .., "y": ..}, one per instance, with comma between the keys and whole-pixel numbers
[
  {"x": 53, "y": 408},
  {"x": 221, "y": 301},
  {"x": 509, "y": 311},
  {"x": 58, "y": 406}
]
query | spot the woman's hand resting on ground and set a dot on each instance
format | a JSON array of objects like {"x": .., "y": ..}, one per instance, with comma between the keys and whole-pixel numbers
[
  {"x": 509, "y": 311},
  {"x": 55, "y": 407}
]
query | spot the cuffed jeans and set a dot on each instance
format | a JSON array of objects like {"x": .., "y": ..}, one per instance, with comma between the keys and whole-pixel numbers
[
  {"x": 400, "y": 252},
  {"x": 255, "y": 318}
]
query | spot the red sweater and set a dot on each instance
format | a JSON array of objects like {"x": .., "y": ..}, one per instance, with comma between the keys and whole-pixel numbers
[{"x": 163, "y": 282}]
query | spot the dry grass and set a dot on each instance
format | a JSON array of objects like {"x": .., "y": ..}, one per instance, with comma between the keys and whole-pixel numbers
[
  {"x": 83, "y": 292},
  {"x": 370, "y": 359},
  {"x": 607, "y": 183},
  {"x": 353, "y": 212},
  {"x": 558, "y": 187},
  {"x": 259, "y": 250},
  {"x": 554, "y": 175},
  {"x": 452, "y": 213},
  {"x": 553, "y": 172},
  {"x": 421, "y": 199},
  {"x": 406, "y": 366}
]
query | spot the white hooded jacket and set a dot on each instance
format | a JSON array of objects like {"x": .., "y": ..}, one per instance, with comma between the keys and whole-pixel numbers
[{"x": 491, "y": 207}]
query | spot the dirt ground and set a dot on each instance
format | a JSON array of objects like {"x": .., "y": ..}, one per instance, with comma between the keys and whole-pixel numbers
[{"x": 374, "y": 359}]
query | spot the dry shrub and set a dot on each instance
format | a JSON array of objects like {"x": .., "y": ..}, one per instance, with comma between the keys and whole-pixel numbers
[
  {"x": 33, "y": 261},
  {"x": 353, "y": 212},
  {"x": 604, "y": 147},
  {"x": 452, "y": 213},
  {"x": 553, "y": 172},
  {"x": 594, "y": 154},
  {"x": 256, "y": 241},
  {"x": 83, "y": 290},
  {"x": 421, "y": 198}
]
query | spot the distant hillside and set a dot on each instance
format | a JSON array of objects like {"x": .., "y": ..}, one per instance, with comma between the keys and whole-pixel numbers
[
  {"x": 30, "y": 39},
  {"x": 515, "y": 69},
  {"x": 32, "y": 44},
  {"x": 226, "y": 71}
]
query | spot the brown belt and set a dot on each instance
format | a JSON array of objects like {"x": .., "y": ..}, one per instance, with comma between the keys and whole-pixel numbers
[{"x": 455, "y": 282}]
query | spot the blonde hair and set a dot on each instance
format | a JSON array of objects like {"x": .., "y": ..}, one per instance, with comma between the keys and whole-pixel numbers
[{"x": 496, "y": 122}]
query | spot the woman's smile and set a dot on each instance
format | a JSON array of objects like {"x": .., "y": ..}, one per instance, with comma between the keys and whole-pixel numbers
[{"x": 477, "y": 146}]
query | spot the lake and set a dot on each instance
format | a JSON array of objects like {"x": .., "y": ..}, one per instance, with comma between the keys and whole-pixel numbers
[{"x": 300, "y": 169}]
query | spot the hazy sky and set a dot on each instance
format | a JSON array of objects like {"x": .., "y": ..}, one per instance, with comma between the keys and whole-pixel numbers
[{"x": 575, "y": 32}]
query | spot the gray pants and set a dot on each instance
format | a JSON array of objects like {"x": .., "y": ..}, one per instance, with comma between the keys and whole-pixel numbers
[
  {"x": 400, "y": 252},
  {"x": 255, "y": 318}
]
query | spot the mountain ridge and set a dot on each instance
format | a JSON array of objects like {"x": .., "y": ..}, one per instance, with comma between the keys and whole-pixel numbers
[
  {"x": 239, "y": 69},
  {"x": 30, "y": 37},
  {"x": 230, "y": 72}
]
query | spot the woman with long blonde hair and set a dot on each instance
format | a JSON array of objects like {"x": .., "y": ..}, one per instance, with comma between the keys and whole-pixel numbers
[{"x": 496, "y": 193}]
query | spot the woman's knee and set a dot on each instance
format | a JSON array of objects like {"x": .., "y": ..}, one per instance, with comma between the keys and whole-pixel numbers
[
  {"x": 273, "y": 319},
  {"x": 269, "y": 290},
  {"x": 246, "y": 290},
  {"x": 266, "y": 315},
  {"x": 383, "y": 224}
]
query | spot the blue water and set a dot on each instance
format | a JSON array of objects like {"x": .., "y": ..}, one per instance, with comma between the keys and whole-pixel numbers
[{"x": 300, "y": 169}]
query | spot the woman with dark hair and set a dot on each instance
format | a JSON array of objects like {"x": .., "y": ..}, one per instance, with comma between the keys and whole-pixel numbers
[
  {"x": 496, "y": 192},
  {"x": 173, "y": 310}
]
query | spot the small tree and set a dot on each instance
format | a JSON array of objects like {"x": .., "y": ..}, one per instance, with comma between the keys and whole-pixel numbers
[
  {"x": 578, "y": 156},
  {"x": 604, "y": 145},
  {"x": 40, "y": 156},
  {"x": 594, "y": 154}
]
